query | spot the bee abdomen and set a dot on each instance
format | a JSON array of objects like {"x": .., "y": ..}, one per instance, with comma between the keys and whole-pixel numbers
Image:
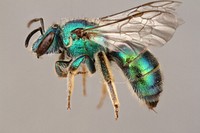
[
  {"x": 148, "y": 87},
  {"x": 144, "y": 75}
]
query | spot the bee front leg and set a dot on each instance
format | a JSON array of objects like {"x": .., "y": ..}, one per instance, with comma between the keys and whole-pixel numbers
[
  {"x": 61, "y": 68},
  {"x": 104, "y": 65}
]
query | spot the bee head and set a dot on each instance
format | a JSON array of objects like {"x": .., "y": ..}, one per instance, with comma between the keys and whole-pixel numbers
[{"x": 48, "y": 42}]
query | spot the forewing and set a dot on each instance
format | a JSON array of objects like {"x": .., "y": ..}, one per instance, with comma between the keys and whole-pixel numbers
[
  {"x": 164, "y": 5},
  {"x": 153, "y": 23}
]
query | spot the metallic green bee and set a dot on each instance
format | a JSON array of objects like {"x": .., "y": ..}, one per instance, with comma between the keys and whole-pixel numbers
[{"x": 122, "y": 38}]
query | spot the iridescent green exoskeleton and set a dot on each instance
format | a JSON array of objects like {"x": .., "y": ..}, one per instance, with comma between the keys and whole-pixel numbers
[{"x": 122, "y": 38}]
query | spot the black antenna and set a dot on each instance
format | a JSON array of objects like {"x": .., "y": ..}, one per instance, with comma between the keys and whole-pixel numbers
[
  {"x": 41, "y": 29},
  {"x": 36, "y": 20}
]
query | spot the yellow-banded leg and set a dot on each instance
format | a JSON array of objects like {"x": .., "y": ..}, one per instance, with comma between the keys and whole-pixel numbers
[{"x": 104, "y": 65}]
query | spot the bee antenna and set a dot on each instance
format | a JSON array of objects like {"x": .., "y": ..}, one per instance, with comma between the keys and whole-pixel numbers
[
  {"x": 31, "y": 34},
  {"x": 36, "y": 20}
]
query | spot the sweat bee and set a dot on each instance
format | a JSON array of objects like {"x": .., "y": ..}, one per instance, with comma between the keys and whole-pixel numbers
[{"x": 122, "y": 38}]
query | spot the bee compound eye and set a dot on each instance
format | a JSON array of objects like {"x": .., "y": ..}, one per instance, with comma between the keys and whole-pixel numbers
[{"x": 45, "y": 44}]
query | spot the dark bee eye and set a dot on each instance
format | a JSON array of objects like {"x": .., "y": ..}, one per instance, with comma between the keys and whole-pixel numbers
[{"x": 45, "y": 44}]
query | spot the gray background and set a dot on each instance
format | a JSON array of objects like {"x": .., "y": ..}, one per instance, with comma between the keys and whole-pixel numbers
[{"x": 33, "y": 98}]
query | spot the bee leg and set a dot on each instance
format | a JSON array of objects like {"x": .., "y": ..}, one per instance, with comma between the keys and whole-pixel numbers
[
  {"x": 91, "y": 68},
  {"x": 107, "y": 75},
  {"x": 84, "y": 75},
  {"x": 61, "y": 68},
  {"x": 70, "y": 87},
  {"x": 103, "y": 95},
  {"x": 72, "y": 71}
]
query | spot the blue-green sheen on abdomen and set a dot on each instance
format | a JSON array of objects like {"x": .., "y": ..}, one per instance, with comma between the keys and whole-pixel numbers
[{"x": 143, "y": 73}]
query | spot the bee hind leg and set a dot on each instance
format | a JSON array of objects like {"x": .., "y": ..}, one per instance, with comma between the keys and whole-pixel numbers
[{"x": 104, "y": 65}]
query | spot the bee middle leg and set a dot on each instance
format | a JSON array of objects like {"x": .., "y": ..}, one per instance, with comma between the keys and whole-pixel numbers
[
  {"x": 73, "y": 70},
  {"x": 84, "y": 75},
  {"x": 103, "y": 95}
]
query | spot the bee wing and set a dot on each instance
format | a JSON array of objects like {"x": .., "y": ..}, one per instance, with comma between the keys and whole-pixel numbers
[{"x": 152, "y": 23}]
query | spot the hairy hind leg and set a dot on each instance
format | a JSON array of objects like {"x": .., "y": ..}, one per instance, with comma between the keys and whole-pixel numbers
[{"x": 104, "y": 65}]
